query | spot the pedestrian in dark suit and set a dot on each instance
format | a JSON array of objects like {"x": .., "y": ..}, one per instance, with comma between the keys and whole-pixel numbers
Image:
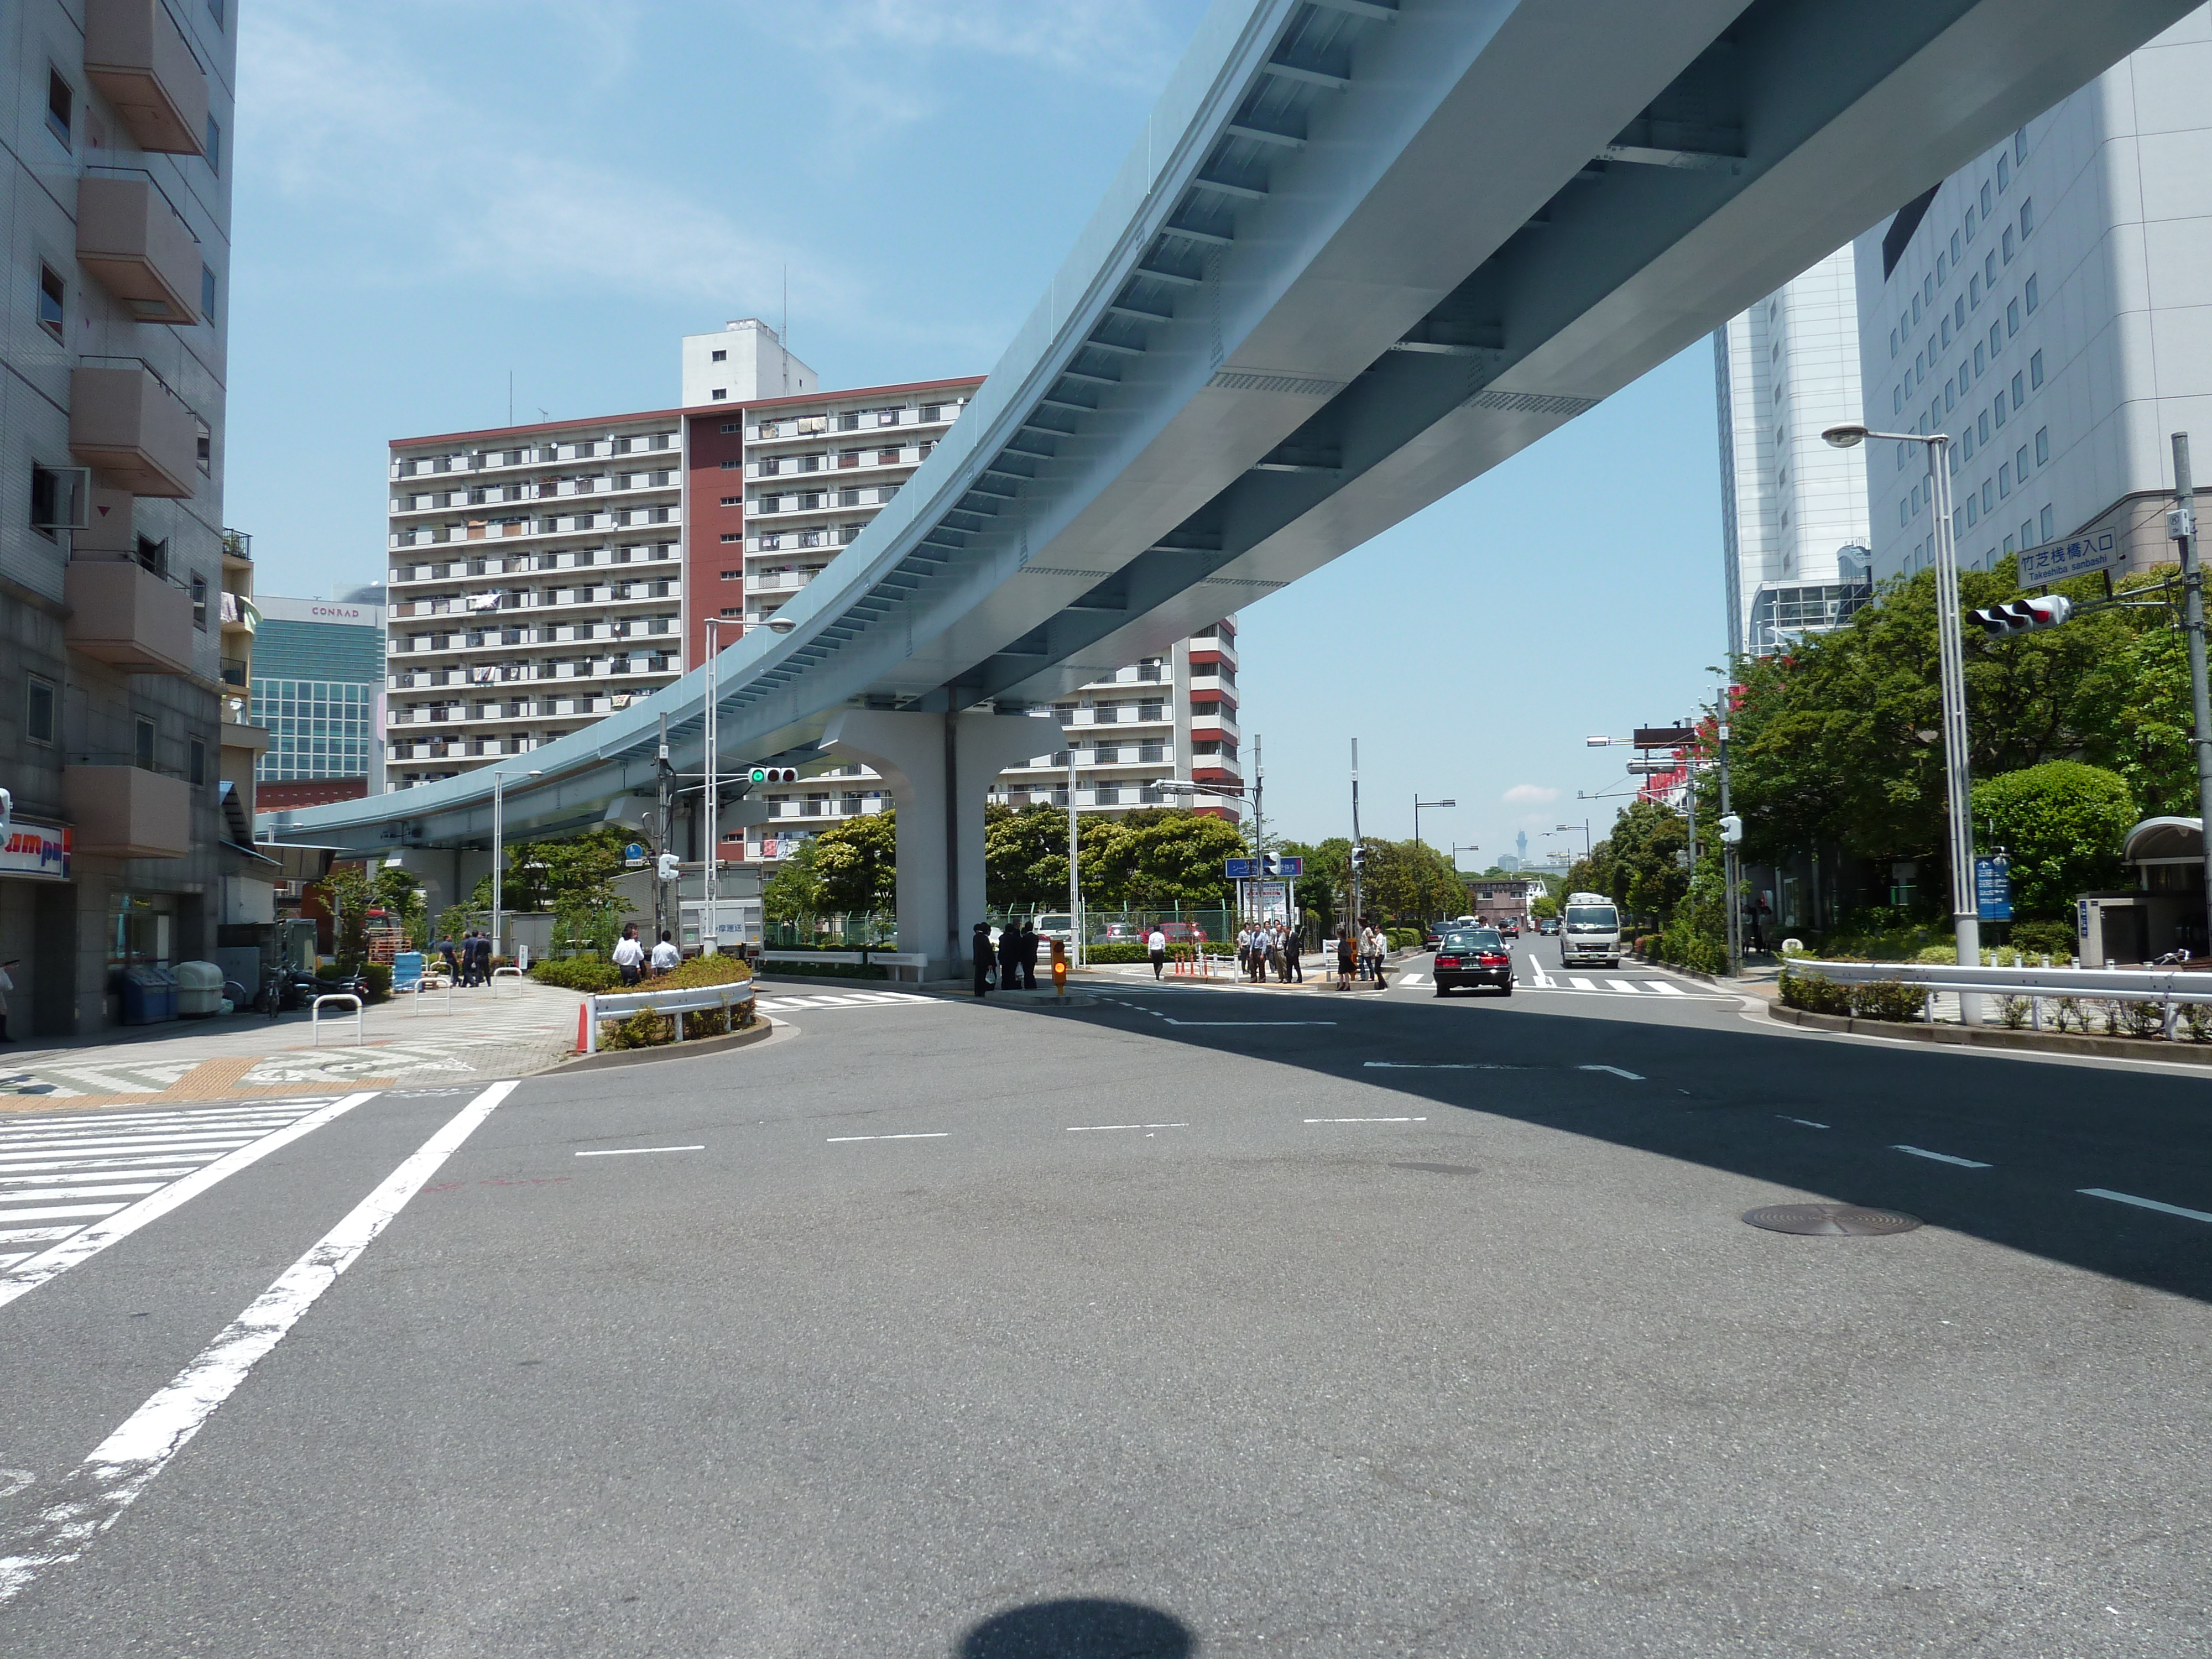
[
  {"x": 1030, "y": 942},
  {"x": 979, "y": 944},
  {"x": 1010, "y": 958}
]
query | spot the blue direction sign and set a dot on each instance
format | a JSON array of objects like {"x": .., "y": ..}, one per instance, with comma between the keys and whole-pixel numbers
[
  {"x": 1993, "y": 887},
  {"x": 1241, "y": 869},
  {"x": 1289, "y": 867}
]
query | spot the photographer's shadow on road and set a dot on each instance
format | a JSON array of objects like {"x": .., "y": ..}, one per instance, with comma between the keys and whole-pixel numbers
[{"x": 1079, "y": 1628}]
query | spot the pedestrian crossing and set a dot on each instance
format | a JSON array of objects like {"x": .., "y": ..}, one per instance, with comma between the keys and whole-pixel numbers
[
  {"x": 777, "y": 1002},
  {"x": 61, "y": 1177}
]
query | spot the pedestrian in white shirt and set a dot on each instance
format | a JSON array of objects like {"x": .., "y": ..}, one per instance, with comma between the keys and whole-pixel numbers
[
  {"x": 1155, "y": 945},
  {"x": 630, "y": 956},
  {"x": 665, "y": 955}
]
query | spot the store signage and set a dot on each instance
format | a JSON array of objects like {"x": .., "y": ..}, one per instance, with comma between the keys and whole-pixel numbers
[{"x": 38, "y": 851}]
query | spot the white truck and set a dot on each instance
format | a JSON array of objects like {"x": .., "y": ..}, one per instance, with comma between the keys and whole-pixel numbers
[{"x": 1589, "y": 933}]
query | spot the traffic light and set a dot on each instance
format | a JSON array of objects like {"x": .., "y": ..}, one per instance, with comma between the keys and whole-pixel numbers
[
  {"x": 1358, "y": 860},
  {"x": 2023, "y": 616},
  {"x": 1731, "y": 828},
  {"x": 1268, "y": 865},
  {"x": 667, "y": 867},
  {"x": 776, "y": 774}
]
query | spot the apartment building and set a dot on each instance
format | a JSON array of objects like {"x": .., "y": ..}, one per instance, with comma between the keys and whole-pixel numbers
[
  {"x": 1793, "y": 509},
  {"x": 127, "y": 612},
  {"x": 536, "y": 584},
  {"x": 2045, "y": 305}
]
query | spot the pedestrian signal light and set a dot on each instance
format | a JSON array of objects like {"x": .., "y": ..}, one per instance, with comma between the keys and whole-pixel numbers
[
  {"x": 776, "y": 774},
  {"x": 2023, "y": 616},
  {"x": 1731, "y": 828},
  {"x": 1359, "y": 858},
  {"x": 666, "y": 866}
]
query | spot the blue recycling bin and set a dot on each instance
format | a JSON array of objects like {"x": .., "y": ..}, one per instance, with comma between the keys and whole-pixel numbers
[{"x": 149, "y": 995}]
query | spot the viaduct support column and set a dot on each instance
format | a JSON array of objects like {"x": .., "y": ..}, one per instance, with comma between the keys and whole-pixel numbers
[{"x": 939, "y": 768}]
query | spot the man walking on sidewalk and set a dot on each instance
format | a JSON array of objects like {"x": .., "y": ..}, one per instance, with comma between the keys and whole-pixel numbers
[
  {"x": 1155, "y": 946},
  {"x": 630, "y": 956}
]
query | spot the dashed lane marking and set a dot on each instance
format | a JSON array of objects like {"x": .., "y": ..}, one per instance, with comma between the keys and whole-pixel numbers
[
  {"x": 632, "y": 1151},
  {"x": 2143, "y": 1203},
  {"x": 1367, "y": 1120},
  {"x": 1807, "y": 1121},
  {"x": 1943, "y": 1158},
  {"x": 1441, "y": 1066},
  {"x": 1092, "y": 1128},
  {"x": 1633, "y": 1077},
  {"x": 932, "y": 1134}
]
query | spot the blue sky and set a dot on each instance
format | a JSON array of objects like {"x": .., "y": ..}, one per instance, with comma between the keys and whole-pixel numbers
[{"x": 433, "y": 193}]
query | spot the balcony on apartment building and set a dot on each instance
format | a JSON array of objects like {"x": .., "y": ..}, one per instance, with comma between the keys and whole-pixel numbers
[
  {"x": 582, "y": 558},
  {"x": 511, "y": 604},
  {"x": 860, "y": 426},
  {"x": 136, "y": 55},
  {"x": 531, "y": 529},
  {"x": 122, "y": 809},
  {"x": 549, "y": 490},
  {"x": 643, "y": 445},
  {"x": 795, "y": 507},
  {"x": 132, "y": 428},
  {"x": 826, "y": 468},
  {"x": 127, "y": 616},
  {"x": 139, "y": 247}
]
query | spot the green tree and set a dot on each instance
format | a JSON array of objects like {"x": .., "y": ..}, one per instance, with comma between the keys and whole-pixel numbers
[
  {"x": 1024, "y": 855},
  {"x": 1180, "y": 859},
  {"x": 1327, "y": 877},
  {"x": 402, "y": 897},
  {"x": 2063, "y": 824},
  {"x": 856, "y": 862},
  {"x": 1410, "y": 881},
  {"x": 347, "y": 894},
  {"x": 1647, "y": 876},
  {"x": 794, "y": 892}
]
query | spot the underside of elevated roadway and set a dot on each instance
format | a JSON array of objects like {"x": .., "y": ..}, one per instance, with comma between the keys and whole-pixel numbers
[{"x": 1361, "y": 252}]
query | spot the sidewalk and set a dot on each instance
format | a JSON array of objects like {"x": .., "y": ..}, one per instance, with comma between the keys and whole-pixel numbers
[{"x": 519, "y": 1028}]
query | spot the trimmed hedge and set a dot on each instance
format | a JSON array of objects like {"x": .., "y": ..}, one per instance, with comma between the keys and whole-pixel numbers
[{"x": 576, "y": 973}]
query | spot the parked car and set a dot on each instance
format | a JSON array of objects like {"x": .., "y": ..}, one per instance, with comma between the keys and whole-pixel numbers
[
  {"x": 1122, "y": 932},
  {"x": 1474, "y": 956}
]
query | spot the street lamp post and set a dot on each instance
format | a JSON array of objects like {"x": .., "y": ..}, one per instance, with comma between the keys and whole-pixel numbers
[
  {"x": 499, "y": 850},
  {"x": 1951, "y": 665},
  {"x": 1582, "y": 828},
  {"x": 710, "y": 919},
  {"x": 1418, "y": 804}
]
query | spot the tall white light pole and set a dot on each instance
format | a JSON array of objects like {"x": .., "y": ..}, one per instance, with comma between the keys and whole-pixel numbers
[
  {"x": 710, "y": 917},
  {"x": 1951, "y": 667},
  {"x": 498, "y": 851}
]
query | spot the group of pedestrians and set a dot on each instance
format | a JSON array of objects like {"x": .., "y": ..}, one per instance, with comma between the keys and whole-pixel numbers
[
  {"x": 1267, "y": 947},
  {"x": 1363, "y": 953},
  {"x": 630, "y": 958},
  {"x": 467, "y": 959},
  {"x": 1012, "y": 959}
]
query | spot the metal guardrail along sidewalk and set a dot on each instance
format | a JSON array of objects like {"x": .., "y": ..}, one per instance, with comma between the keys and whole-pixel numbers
[
  {"x": 2130, "y": 984},
  {"x": 616, "y": 1005}
]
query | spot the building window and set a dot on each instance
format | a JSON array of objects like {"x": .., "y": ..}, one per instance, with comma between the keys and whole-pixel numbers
[
  {"x": 50, "y": 295},
  {"x": 60, "y": 103},
  {"x": 729, "y": 426},
  {"x": 722, "y": 357},
  {"x": 215, "y": 10},
  {"x": 733, "y": 500},
  {"x": 720, "y": 394},
  {"x": 732, "y": 575},
  {"x": 2007, "y": 245},
  {"x": 199, "y": 603},
  {"x": 206, "y": 447},
  {"x": 2019, "y": 396},
  {"x": 39, "y": 707},
  {"x": 2035, "y": 370},
  {"x": 2004, "y": 171},
  {"x": 142, "y": 752},
  {"x": 213, "y": 144},
  {"x": 2012, "y": 317},
  {"x": 2046, "y": 524},
  {"x": 2034, "y": 295},
  {"x": 197, "y": 761},
  {"x": 2027, "y": 218},
  {"x": 207, "y": 294},
  {"x": 2042, "y": 447}
]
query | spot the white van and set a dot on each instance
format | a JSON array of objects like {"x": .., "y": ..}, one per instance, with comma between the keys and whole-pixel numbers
[{"x": 1590, "y": 934}]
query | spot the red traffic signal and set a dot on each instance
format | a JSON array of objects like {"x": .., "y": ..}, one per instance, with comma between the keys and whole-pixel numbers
[{"x": 2024, "y": 616}]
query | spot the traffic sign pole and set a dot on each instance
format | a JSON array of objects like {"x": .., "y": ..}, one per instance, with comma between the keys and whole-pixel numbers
[{"x": 2182, "y": 524}]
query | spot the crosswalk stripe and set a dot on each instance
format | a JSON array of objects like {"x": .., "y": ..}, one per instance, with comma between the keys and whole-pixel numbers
[
  {"x": 63, "y": 1212},
  {"x": 1582, "y": 984},
  {"x": 1663, "y": 989},
  {"x": 1622, "y": 985}
]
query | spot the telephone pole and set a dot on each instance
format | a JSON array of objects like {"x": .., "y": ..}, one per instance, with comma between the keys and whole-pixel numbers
[
  {"x": 2181, "y": 525},
  {"x": 1357, "y": 914}
]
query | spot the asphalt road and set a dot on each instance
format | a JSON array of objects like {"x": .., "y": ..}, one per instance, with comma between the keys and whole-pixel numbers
[{"x": 1198, "y": 1320}]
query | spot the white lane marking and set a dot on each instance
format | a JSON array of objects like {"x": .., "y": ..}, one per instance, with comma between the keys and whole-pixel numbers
[
  {"x": 32, "y": 1195},
  {"x": 1088, "y": 1128},
  {"x": 1627, "y": 985},
  {"x": 1404, "y": 979},
  {"x": 631, "y": 1152},
  {"x": 1581, "y": 984},
  {"x": 125, "y": 1464},
  {"x": 1661, "y": 987},
  {"x": 1249, "y": 1021},
  {"x": 64, "y": 1213},
  {"x": 1807, "y": 1121},
  {"x": 1542, "y": 980},
  {"x": 53, "y": 1168},
  {"x": 1441, "y": 1066},
  {"x": 1633, "y": 1077},
  {"x": 165, "y": 1144},
  {"x": 2143, "y": 1203},
  {"x": 1367, "y": 1120},
  {"x": 105, "y": 1172},
  {"x": 1942, "y": 1158},
  {"x": 92, "y": 1240},
  {"x": 932, "y": 1134}
]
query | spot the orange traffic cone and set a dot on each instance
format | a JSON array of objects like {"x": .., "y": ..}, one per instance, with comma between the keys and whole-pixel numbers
[{"x": 583, "y": 1028}]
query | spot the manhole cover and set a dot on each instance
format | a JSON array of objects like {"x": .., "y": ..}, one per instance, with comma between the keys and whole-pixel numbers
[
  {"x": 1830, "y": 1221},
  {"x": 1440, "y": 1168}
]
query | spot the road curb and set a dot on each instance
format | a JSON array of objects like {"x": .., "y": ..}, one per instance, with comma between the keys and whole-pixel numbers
[
  {"x": 1999, "y": 1037},
  {"x": 758, "y": 1031}
]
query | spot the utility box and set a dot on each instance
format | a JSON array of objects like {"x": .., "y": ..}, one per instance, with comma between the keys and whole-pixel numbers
[
  {"x": 200, "y": 989},
  {"x": 2112, "y": 929}
]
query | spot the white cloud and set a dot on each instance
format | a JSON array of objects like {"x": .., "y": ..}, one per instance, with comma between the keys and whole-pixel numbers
[
  {"x": 1529, "y": 794},
  {"x": 343, "y": 120}
]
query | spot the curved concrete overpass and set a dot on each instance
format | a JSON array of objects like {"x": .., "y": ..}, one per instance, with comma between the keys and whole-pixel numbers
[{"x": 1361, "y": 252}]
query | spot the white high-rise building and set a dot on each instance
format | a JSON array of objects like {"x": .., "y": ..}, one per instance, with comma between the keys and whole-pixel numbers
[
  {"x": 1793, "y": 509},
  {"x": 2048, "y": 307}
]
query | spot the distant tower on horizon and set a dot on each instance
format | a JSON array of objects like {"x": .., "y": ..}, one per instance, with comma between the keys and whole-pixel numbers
[{"x": 1521, "y": 847}]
